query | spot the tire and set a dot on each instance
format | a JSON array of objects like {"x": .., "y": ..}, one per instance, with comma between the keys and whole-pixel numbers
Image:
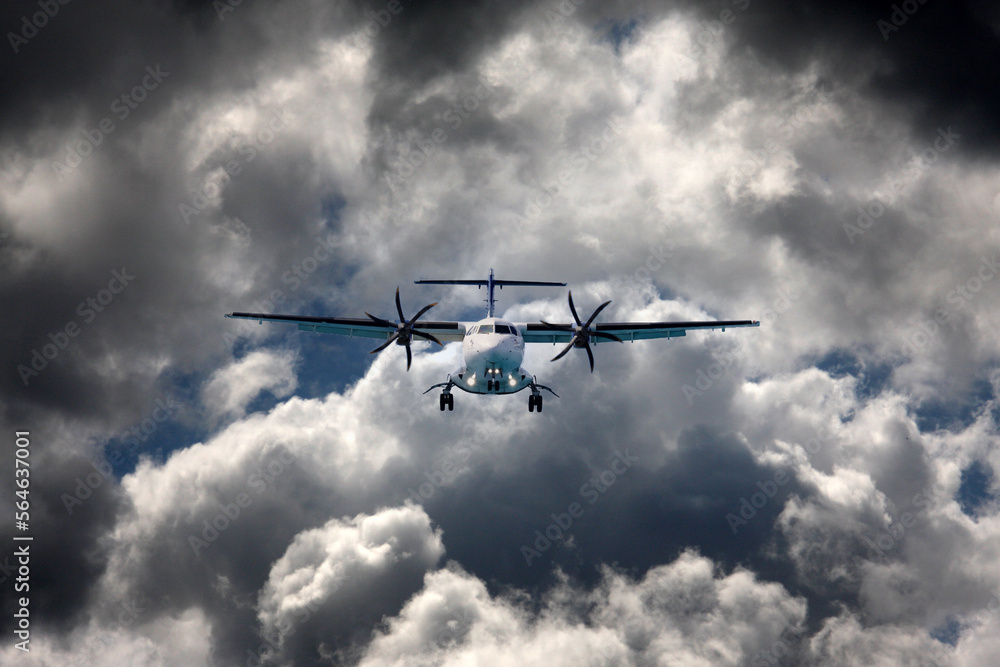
[
  {"x": 442, "y": 402},
  {"x": 539, "y": 402},
  {"x": 451, "y": 402},
  {"x": 531, "y": 403}
]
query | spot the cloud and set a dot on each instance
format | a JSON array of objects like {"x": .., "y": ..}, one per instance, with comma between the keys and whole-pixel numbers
[
  {"x": 230, "y": 389},
  {"x": 844, "y": 641},
  {"x": 126, "y": 639},
  {"x": 684, "y": 611},
  {"x": 334, "y": 582}
]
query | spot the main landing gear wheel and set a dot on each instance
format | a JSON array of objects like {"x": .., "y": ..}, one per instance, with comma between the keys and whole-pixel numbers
[
  {"x": 447, "y": 400},
  {"x": 534, "y": 402}
]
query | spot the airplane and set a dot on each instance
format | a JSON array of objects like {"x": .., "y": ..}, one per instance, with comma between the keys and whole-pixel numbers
[{"x": 492, "y": 348}]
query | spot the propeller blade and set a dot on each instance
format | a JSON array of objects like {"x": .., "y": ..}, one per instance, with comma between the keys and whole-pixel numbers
[
  {"x": 565, "y": 350},
  {"x": 422, "y": 311},
  {"x": 399, "y": 308},
  {"x": 597, "y": 312},
  {"x": 428, "y": 336},
  {"x": 385, "y": 344},
  {"x": 582, "y": 332},
  {"x": 409, "y": 357},
  {"x": 379, "y": 321},
  {"x": 604, "y": 334},
  {"x": 573, "y": 309},
  {"x": 557, "y": 327}
]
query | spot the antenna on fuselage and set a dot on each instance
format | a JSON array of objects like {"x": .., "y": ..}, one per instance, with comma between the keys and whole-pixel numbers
[{"x": 490, "y": 284}]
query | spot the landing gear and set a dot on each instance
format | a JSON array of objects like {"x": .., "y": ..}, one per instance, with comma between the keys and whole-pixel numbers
[
  {"x": 446, "y": 399},
  {"x": 535, "y": 399},
  {"x": 489, "y": 385}
]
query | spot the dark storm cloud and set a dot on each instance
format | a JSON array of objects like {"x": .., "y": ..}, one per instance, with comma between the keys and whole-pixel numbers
[
  {"x": 431, "y": 39},
  {"x": 125, "y": 216},
  {"x": 106, "y": 277},
  {"x": 708, "y": 494},
  {"x": 89, "y": 54},
  {"x": 931, "y": 62}
]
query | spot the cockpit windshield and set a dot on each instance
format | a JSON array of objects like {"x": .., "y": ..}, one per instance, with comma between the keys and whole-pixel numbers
[{"x": 493, "y": 328}]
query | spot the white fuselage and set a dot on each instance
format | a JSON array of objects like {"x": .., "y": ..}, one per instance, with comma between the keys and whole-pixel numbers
[{"x": 492, "y": 351}]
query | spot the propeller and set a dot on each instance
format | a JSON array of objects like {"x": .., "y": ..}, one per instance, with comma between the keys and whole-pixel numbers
[
  {"x": 404, "y": 330},
  {"x": 581, "y": 332}
]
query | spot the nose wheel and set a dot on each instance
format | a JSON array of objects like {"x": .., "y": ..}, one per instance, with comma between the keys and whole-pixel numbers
[{"x": 446, "y": 399}]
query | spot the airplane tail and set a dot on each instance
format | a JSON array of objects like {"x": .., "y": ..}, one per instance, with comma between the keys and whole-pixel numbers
[{"x": 490, "y": 283}]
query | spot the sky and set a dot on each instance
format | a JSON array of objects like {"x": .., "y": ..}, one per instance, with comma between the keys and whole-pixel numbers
[{"x": 821, "y": 490}]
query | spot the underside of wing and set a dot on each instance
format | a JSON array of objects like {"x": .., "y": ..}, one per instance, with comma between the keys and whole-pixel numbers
[
  {"x": 627, "y": 331},
  {"x": 357, "y": 326}
]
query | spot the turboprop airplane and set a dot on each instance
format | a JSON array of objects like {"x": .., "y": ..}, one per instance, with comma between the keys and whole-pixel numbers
[{"x": 492, "y": 348}]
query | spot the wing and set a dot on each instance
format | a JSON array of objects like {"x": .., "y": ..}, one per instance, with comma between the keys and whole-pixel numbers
[
  {"x": 631, "y": 331},
  {"x": 357, "y": 326}
]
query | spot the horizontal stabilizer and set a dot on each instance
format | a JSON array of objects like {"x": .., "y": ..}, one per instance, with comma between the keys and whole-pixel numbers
[{"x": 499, "y": 283}]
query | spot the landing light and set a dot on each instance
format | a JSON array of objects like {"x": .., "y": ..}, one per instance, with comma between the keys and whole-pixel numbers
[{"x": 472, "y": 379}]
